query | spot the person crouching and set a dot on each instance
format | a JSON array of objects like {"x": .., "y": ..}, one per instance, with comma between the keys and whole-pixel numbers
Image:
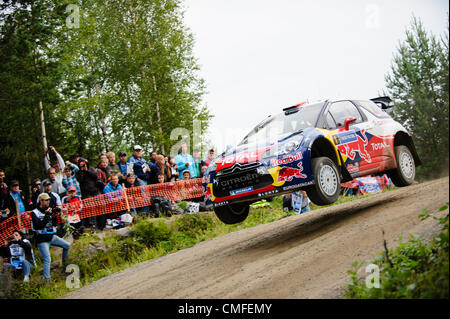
[{"x": 43, "y": 222}]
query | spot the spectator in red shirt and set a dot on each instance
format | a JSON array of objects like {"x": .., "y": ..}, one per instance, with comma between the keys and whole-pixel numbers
[{"x": 73, "y": 209}]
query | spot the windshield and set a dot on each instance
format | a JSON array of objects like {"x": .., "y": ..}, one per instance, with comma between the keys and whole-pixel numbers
[{"x": 274, "y": 127}]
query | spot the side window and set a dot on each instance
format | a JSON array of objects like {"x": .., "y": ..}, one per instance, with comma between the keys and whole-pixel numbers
[
  {"x": 330, "y": 121},
  {"x": 373, "y": 108},
  {"x": 343, "y": 109}
]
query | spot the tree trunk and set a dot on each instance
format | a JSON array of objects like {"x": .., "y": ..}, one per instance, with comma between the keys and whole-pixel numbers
[
  {"x": 102, "y": 120},
  {"x": 27, "y": 162},
  {"x": 44, "y": 136},
  {"x": 158, "y": 113}
]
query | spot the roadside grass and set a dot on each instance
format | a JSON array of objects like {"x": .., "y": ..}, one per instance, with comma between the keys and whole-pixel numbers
[
  {"x": 416, "y": 269},
  {"x": 99, "y": 256}
]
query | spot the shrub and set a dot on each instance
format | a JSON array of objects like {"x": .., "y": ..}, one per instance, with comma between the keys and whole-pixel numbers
[
  {"x": 127, "y": 249},
  {"x": 416, "y": 269},
  {"x": 192, "y": 224},
  {"x": 150, "y": 233}
]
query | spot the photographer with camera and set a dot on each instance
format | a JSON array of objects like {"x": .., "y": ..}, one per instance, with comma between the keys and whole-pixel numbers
[
  {"x": 19, "y": 253},
  {"x": 35, "y": 192},
  {"x": 44, "y": 220}
]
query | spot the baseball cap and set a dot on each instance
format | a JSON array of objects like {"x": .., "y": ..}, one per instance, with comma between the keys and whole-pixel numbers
[
  {"x": 137, "y": 147},
  {"x": 14, "y": 183},
  {"x": 72, "y": 188},
  {"x": 45, "y": 183},
  {"x": 82, "y": 160},
  {"x": 122, "y": 154},
  {"x": 43, "y": 196}
]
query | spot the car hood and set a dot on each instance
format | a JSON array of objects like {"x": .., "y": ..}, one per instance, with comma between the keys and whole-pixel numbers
[{"x": 248, "y": 153}]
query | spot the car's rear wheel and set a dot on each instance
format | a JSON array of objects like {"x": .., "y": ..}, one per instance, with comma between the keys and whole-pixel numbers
[
  {"x": 327, "y": 182},
  {"x": 405, "y": 172},
  {"x": 232, "y": 214}
]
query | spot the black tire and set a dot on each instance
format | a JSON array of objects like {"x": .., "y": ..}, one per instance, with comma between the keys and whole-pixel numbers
[
  {"x": 232, "y": 214},
  {"x": 327, "y": 182},
  {"x": 405, "y": 172}
]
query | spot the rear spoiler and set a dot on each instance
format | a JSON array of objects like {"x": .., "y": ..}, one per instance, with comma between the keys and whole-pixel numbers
[
  {"x": 292, "y": 109},
  {"x": 384, "y": 102}
]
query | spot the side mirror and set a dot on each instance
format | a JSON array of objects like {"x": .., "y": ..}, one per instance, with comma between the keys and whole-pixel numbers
[{"x": 349, "y": 120}]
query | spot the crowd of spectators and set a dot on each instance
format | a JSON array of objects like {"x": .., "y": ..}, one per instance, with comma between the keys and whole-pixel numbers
[
  {"x": 87, "y": 180},
  {"x": 75, "y": 180}
]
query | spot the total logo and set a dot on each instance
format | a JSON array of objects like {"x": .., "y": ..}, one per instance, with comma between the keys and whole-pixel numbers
[
  {"x": 379, "y": 146},
  {"x": 244, "y": 157}
]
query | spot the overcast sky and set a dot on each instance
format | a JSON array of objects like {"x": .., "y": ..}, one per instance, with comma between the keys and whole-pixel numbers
[{"x": 258, "y": 56}]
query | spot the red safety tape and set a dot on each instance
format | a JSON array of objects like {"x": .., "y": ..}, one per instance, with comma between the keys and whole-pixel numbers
[{"x": 116, "y": 201}]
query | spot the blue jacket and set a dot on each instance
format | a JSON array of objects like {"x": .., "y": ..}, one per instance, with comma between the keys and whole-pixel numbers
[
  {"x": 181, "y": 161},
  {"x": 110, "y": 188},
  {"x": 148, "y": 177}
]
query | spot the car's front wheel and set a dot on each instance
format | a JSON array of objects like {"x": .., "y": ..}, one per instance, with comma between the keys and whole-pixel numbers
[
  {"x": 327, "y": 182},
  {"x": 405, "y": 172},
  {"x": 232, "y": 214}
]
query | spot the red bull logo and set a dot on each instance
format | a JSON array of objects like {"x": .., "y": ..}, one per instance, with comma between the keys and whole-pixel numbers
[
  {"x": 288, "y": 173},
  {"x": 286, "y": 159},
  {"x": 208, "y": 194},
  {"x": 358, "y": 145}
]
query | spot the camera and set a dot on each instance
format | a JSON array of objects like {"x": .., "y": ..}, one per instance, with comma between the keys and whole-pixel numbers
[{"x": 56, "y": 210}]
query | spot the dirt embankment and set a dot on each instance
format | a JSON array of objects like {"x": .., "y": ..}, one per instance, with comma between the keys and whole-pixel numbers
[{"x": 304, "y": 256}]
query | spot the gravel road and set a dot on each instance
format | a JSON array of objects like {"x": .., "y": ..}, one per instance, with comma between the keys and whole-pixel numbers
[{"x": 303, "y": 256}]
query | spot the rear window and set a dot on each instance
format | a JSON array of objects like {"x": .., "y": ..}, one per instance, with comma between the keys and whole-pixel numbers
[{"x": 373, "y": 108}]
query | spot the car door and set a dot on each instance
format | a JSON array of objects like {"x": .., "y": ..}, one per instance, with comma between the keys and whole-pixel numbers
[
  {"x": 381, "y": 131},
  {"x": 352, "y": 143}
]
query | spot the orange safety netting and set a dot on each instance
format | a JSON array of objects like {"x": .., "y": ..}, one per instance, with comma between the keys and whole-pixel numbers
[{"x": 121, "y": 200}]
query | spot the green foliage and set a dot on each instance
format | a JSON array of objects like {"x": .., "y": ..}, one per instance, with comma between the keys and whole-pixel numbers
[
  {"x": 416, "y": 269},
  {"x": 125, "y": 76},
  {"x": 150, "y": 233},
  {"x": 30, "y": 73},
  {"x": 419, "y": 85},
  {"x": 193, "y": 224}
]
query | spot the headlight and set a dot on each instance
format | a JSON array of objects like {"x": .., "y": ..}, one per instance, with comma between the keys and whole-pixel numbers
[
  {"x": 283, "y": 148},
  {"x": 289, "y": 146}
]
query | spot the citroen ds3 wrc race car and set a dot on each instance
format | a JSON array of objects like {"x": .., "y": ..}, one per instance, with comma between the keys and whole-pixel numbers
[{"x": 313, "y": 147}]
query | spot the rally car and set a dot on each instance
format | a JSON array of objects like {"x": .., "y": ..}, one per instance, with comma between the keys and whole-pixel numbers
[{"x": 312, "y": 147}]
